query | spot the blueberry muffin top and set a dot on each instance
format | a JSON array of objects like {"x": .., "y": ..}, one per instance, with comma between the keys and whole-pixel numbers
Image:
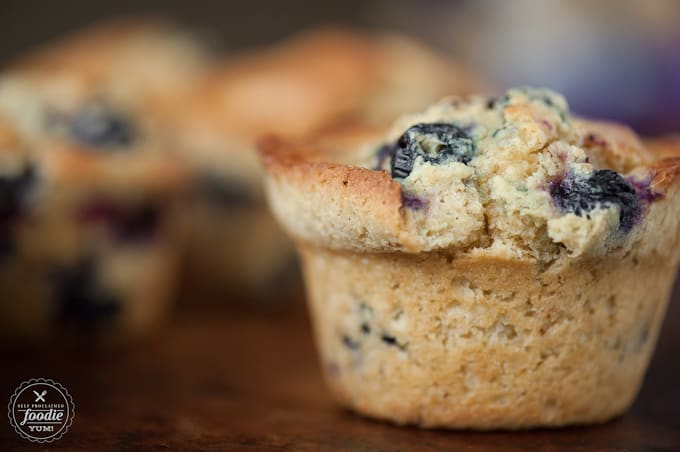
[
  {"x": 514, "y": 175},
  {"x": 128, "y": 67},
  {"x": 87, "y": 107}
]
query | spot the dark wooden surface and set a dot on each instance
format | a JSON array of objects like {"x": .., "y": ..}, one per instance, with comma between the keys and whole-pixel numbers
[{"x": 235, "y": 379}]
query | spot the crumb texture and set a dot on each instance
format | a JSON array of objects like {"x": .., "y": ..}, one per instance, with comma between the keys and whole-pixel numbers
[{"x": 515, "y": 174}]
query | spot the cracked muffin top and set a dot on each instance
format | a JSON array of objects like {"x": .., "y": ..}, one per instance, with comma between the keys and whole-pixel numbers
[{"x": 514, "y": 175}]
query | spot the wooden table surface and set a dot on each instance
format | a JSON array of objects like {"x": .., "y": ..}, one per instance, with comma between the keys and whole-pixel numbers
[{"x": 235, "y": 379}]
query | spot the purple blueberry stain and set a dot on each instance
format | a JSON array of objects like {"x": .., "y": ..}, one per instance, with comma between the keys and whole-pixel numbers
[
  {"x": 601, "y": 188},
  {"x": 644, "y": 189},
  {"x": 413, "y": 202}
]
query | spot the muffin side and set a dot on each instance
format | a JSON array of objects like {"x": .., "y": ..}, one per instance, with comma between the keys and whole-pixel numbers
[{"x": 480, "y": 341}]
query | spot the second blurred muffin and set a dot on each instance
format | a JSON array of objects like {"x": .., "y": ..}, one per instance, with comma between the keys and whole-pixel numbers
[
  {"x": 306, "y": 86},
  {"x": 87, "y": 185}
]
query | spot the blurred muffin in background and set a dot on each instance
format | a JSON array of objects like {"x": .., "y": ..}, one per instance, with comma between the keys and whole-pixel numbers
[
  {"x": 306, "y": 86},
  {"x": 86, "y": 249},
  {"x": 87, "y": 185},
  {"x": 127, "y": 67}
]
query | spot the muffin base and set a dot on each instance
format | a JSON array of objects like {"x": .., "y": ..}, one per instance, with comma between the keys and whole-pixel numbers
[{"x": 484, "y": 342}]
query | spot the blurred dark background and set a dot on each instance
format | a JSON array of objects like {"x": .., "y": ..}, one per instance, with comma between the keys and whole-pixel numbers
[{"x": 613, "y": 59}]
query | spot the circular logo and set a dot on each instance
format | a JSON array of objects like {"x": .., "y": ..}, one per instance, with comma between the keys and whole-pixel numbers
[{"x": 41, "y": 410}]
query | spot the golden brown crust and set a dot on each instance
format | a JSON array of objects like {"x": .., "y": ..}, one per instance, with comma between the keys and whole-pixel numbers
[
  {"x": 316, "y": 195},
  {"x": 666, "y": 169},
  {"x": 348, "y": 190}
]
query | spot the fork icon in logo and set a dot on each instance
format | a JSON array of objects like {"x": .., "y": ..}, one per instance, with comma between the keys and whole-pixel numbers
[{"x": 40, "y": 397}]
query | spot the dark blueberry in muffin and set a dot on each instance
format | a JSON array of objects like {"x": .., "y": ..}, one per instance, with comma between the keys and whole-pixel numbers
[
  {"x": 392, "y": 341},
  {"x": 602, "y": 188},
  {"x": 435, "y": 143},
  {"x": 99, "y": 126},
  {"x": 83, "y": 302},
  {"x": 13, "y": 191},
  {"x": 413, "y": 202},
  {"x": 350, "y": 343}
]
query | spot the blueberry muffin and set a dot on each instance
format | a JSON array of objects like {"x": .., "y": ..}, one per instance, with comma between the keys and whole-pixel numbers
[
  {"x": 89, "y": 235},
  {"x": 86, "y": 246},
  {"x": 305, "y": 86},
  {"x": 134, "y": 68},
  {"x": 491, "y": 263}
]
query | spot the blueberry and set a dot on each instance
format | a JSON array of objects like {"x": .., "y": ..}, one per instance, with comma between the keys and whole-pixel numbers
[
  {"x": 435, "y": 143},
  {"x": 602, "y": 188},
  {"x": 13, "y": 191},
  {"x": 389, "y": 340},
  {"x": 392, "y": 341},
  {"x": 99, "y": 126},
  {"x": 83, "y": 302},
  {"x": 350, "y": 343}
]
